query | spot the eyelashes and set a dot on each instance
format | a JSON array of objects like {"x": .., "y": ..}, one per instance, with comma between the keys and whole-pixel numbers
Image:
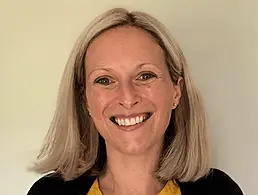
[
  {"x": 146, "y": 76},
  {"x": 106, "y": 80}
]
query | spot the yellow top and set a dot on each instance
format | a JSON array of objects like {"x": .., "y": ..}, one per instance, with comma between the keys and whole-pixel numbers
[{"x": 171, "y": 188}]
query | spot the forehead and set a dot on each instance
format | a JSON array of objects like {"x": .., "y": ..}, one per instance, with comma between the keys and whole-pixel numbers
[{"x": 124, "y": 44}]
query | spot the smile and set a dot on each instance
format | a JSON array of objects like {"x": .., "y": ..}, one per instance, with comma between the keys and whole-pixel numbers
[{"x": 131, "y": 121}]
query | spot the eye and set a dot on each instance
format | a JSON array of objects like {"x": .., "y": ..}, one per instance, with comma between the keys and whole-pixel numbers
[
  {"x": 146, "y": 76},
  {"x": 103, "y": 81}
]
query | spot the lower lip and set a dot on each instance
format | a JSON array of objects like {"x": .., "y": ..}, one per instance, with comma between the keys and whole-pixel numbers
[{"x": 133, "y": 127}]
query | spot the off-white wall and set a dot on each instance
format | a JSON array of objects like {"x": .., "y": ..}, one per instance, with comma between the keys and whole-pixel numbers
[{"x": 219, "y": 39}]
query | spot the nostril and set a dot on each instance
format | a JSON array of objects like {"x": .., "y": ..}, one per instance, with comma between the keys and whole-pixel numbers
[
  {"x": 136, "y": 102},
  {"x": 128, "y": 104}
]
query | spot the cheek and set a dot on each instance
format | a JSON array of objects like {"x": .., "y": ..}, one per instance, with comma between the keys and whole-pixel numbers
[
  {"x": 161, "y": 94},
  {"x": 97, "y": 101}
]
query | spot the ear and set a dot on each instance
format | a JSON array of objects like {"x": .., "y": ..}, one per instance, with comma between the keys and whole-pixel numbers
[
  {"x": 88, "y": 109},
  {"x": 177, "y": 92},
  {"x": 87, "y": 105}
]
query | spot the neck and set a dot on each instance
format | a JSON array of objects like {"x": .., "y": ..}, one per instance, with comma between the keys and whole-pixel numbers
[{"x": 131, "y": 174}]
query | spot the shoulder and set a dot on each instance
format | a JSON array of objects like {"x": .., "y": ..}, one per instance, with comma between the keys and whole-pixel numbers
[
  {"x": 49, "y": 184},
  {"x": 54, "y": 184},
  {"x": 216, "y": 182}
]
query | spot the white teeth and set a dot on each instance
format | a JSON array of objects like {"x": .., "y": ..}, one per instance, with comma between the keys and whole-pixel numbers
[
  {"x": 122, "y": 122},
  {"x": 127, "y": 122},
  {"x": 119, "y": 121},
  {"x": 131, "y": 121},
  {"x": 137, "y": 119}
]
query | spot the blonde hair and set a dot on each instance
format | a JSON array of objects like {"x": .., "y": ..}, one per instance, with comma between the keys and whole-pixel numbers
[{"x": 73, "y": 146}]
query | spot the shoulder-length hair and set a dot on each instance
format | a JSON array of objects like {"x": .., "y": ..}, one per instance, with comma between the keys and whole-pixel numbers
[{"x": 73, "y": 146}]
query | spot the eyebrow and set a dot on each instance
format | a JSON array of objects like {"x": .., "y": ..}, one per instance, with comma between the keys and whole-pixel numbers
[
  {"x": 100, "y": 69},
  {"x": 147, "y": 63},
  {"x": 139, "y": 66}
]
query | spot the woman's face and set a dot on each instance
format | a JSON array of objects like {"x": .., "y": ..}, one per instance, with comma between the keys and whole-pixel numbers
[{"x": 129, "y": 91}]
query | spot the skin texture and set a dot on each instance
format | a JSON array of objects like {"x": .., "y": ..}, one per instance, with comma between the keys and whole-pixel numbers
[{"x": 126, "y": 75}]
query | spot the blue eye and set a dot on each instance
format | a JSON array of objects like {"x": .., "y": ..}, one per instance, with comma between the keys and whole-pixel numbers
[
  {"x": 146, "y": 76},
  {"x": 103, "y": 81}
]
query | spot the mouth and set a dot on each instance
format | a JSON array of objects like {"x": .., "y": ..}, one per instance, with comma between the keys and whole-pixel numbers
[{"x": 130, "y": 121}]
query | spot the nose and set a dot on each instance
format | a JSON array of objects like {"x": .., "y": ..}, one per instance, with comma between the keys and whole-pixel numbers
[{"x": 129, "y": 96}]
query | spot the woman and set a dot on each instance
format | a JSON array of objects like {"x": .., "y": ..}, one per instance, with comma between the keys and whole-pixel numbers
[{"x": 129, "y": 119}]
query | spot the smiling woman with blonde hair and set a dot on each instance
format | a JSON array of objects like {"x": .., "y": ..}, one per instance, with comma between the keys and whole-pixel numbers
[{"x": 129, "y": 119}]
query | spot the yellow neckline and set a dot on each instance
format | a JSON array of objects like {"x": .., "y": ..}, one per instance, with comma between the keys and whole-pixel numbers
[{"x": 171, "y": 188}]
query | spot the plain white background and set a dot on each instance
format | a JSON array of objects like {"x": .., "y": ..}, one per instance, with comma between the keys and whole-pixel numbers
[{"x": 219, "y": 39}]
